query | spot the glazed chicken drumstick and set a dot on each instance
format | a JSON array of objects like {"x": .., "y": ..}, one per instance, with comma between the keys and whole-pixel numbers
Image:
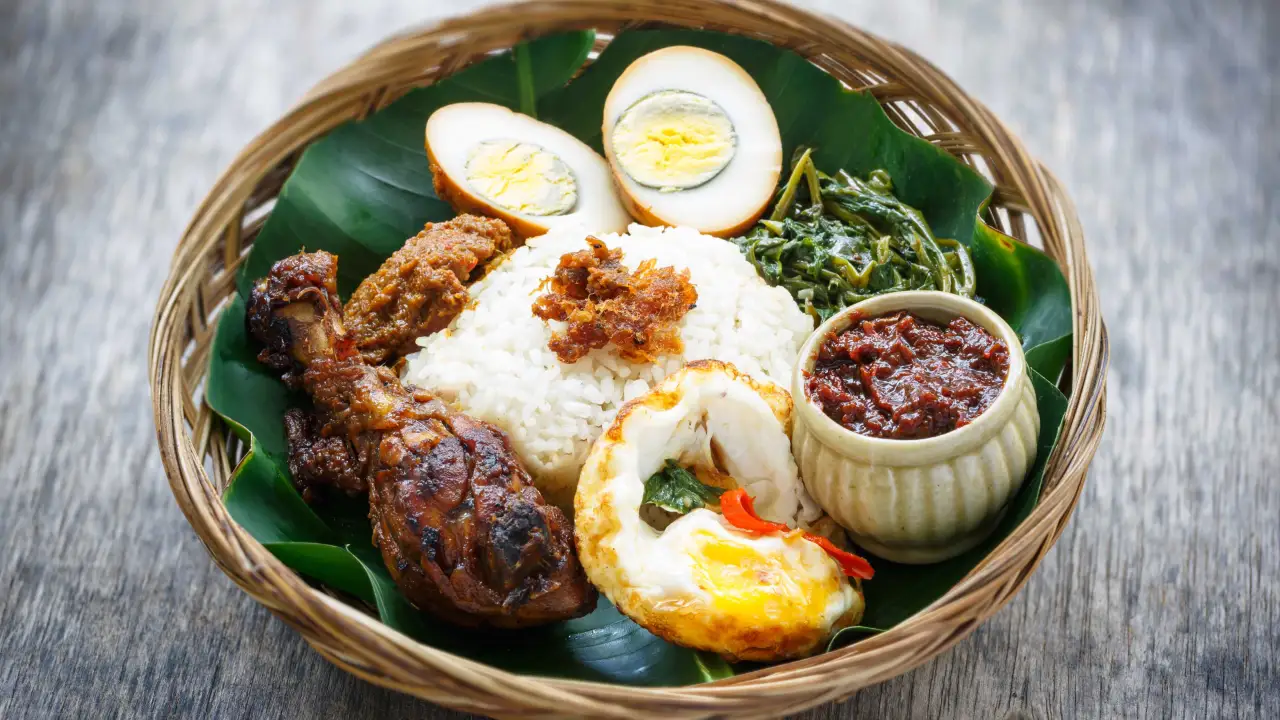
[{"x": 461, "y": 527}]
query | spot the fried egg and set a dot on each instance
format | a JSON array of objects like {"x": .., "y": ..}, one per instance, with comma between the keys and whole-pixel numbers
[
  {"x": 692, "y": 141},
  {"x": 701, "y": 582},
  {"x": 489, "y": 160}
]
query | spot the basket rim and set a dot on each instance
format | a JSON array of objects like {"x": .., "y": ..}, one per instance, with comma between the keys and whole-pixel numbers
[{"x": 252, "y": 567}]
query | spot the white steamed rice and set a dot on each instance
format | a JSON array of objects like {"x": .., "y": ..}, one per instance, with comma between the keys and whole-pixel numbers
[{"x": 494, "y": 363}]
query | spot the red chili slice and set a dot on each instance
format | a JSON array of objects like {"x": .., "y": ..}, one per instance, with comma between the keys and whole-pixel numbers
[
  {"x": 740, "y": 510},
  {"x": 852, "y": 565}
]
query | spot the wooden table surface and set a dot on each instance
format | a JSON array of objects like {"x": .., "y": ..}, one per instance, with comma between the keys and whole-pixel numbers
[{"x": 1161, "y": 600}]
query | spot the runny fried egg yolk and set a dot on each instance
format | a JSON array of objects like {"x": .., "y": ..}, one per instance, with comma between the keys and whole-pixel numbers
[
  {"x": 522, "y": 177},
  {"x": 745, "y": 583},
  {"x": 673, "y": 140}
]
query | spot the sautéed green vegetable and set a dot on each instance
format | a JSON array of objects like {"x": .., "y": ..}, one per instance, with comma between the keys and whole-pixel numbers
[
  {"x": 832, "y": 241},
  {"x": 676, "y": 490}
]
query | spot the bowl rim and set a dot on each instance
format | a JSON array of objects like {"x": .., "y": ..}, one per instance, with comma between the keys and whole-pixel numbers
[{"x": 912, "y": 452}]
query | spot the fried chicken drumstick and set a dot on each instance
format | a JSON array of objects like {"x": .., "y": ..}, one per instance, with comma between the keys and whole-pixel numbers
[{"x": 461, "y": 527}]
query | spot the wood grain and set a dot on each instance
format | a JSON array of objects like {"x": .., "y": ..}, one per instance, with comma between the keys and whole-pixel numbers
[{"x": 1161, "y": 600}]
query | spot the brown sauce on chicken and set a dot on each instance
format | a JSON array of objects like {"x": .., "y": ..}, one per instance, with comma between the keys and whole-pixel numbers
[
  {"x": 903, "y": 377},
  {"x": 421, "y": 288},
  {"x": 605, "y": 303}
]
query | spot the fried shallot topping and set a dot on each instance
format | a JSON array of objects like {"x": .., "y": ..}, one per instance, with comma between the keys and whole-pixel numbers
[{"x": 603, "y": 302}]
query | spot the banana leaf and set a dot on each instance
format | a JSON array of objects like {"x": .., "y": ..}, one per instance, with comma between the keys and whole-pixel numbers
[{"x": 365, "y": 187}]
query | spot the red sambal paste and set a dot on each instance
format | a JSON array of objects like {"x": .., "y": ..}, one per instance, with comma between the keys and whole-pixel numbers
[{"x": 902, "y": 377}]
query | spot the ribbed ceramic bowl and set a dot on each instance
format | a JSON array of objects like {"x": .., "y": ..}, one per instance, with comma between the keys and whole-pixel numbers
[{"x": 919, "y": 501}]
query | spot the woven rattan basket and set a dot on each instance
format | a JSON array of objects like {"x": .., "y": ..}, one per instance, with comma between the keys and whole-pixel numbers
[{"x": 199, "y": 456}]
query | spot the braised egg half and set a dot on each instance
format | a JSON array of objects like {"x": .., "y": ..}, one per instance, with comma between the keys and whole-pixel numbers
[
  {"x": 701, "y": 582},
  {"x": 489, "y": 160},
  {"x": 692, "y": 141}
]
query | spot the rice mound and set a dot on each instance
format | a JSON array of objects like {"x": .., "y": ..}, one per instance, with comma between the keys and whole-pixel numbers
[{"x": 493, "y": 361}]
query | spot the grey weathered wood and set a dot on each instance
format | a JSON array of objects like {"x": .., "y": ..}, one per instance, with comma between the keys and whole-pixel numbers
[{"x": 1161, "y": 600}]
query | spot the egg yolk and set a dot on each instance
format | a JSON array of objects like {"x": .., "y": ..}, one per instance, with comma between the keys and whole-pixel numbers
[
  {"x": 522, "y": 177},
  {"x": 673, "y": 140},
  {"x": 747, "y": 584}
]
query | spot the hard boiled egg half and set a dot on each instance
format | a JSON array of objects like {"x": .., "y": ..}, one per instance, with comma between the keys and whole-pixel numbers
[
  {"x": 701, "y": 582},
  {"x": 692, "y": 141},
  {"x": 489, "y": 160}
]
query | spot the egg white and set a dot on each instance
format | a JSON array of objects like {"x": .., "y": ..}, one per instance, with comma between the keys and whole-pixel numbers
[
  {"x": 454, "y": 130},
  {"x": 732, "y": 200},
  {"x": 661, "y": 579}
]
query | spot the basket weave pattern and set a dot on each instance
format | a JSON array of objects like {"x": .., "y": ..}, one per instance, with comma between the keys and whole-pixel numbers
[{"x": 199, "y": 454}]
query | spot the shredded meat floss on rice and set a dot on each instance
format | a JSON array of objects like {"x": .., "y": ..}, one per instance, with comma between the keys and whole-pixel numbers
[{"x": 603, "y": 302}]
